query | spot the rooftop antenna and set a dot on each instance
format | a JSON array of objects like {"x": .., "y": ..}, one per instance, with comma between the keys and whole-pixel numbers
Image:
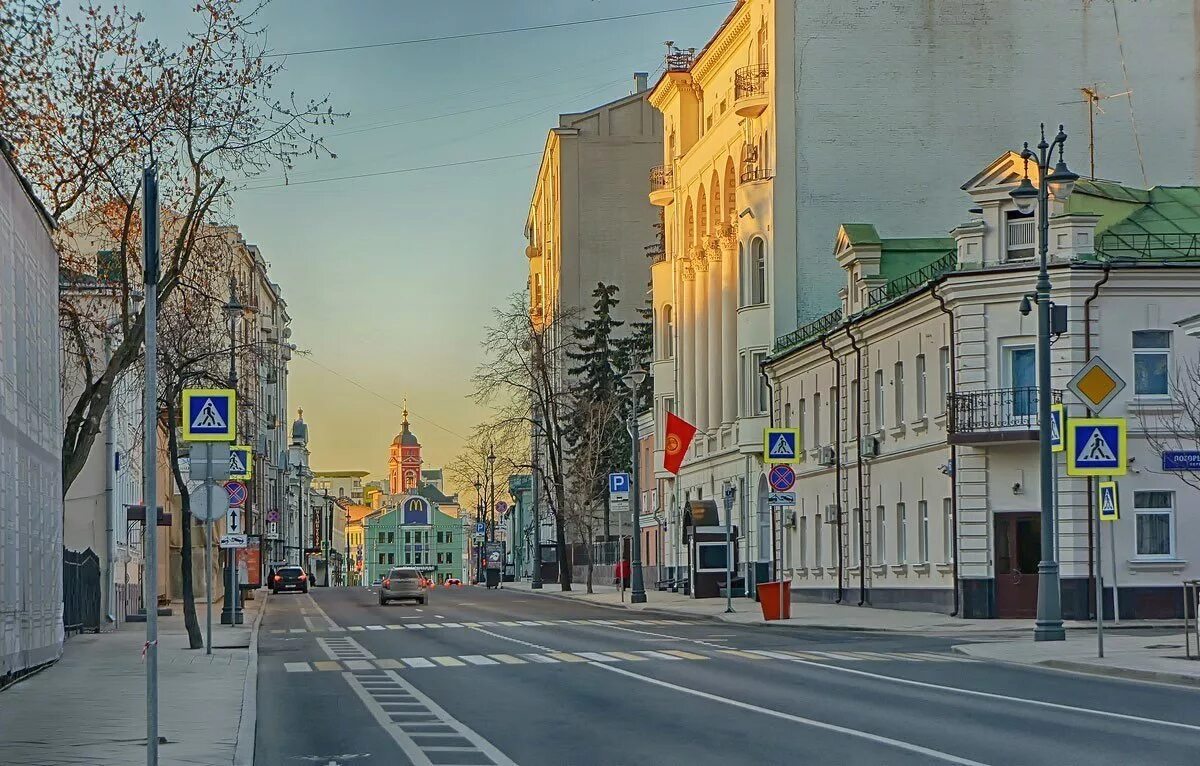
[{"x": 1092, "y": 97}]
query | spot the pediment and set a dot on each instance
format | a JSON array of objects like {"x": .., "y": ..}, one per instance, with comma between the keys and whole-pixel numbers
[{"x": 1006, "y": 170}]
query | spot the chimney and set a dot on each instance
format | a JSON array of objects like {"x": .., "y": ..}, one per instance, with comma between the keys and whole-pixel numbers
[{"x": 640, "y": 81}]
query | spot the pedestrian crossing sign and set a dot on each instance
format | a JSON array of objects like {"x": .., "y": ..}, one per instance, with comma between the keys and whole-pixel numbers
[
  {"x": 241, "y": 463},
  {"x": 781, "y": 445},
  {"x": 209, "y": 415},
  {"x": 1109, "y": 508},
  {"x": 1057, "y": 417},
  {"x": 1096, "y": 447}
]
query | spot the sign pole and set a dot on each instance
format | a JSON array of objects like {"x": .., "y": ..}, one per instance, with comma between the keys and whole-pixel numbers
[
  {"x": 1099, "y": 577},
  {"x": 1112, "y": 548},
  {"x": 150, "y": 253},
  {"x": 209, "y": 496},
  {"x": 728, "y": 552}
]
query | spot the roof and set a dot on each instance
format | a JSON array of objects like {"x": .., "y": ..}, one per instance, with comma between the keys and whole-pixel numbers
[
  {"x": 435, "y": 495},
  {"x": 899, "y": 258},
  {"x": 406, "y": 438},
  {"x": 1162, "y": 222},
  {"x": 9, "y": 152},
  {"x": 341, "y": 474},
  {"x": 860, "y": 234}
]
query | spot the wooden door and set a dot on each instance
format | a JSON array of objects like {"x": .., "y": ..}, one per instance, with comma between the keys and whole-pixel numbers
[{"x": 1017, "y": 553}]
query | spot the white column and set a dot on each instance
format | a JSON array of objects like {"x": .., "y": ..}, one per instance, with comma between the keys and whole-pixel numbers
[
  {"x": 713, "y": 318},
  {"x": 700, "y": 317},
  {"x": 729, "y": 351},
  {"x": 685, "y": 355}
]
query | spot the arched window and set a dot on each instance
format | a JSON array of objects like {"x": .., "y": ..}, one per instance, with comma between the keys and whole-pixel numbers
[
  {"x": 667, "y": 341},
  {"x": 757, "y": 272}
]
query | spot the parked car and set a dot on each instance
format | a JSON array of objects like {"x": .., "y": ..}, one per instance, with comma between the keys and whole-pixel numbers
[
  {"x": 453, "y": 582},
  {"x": 289, "y": 578},
  {"x": 402, "y": 583}
]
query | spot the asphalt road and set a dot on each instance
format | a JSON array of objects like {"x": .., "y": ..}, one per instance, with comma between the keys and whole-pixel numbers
[{"x": 479, "y": 677}]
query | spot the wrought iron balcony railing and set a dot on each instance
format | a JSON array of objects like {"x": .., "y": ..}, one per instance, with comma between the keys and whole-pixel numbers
[
  {"x": 810, "y": 330},
  {"x": 750, "y": 81},
  {"x": 997, "y": 414},
  {"x": 912, "y": 280},
  {"x": 755, "y": 173},
  {"x": 661, "y": 178}
]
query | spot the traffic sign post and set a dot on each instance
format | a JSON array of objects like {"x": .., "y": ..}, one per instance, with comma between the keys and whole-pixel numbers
[
  {"x": 781, "y": 445},
  {"x": 233, "y": 541},
  {"x": 1058, "y": 418},
  {"x": 1096, "y": 384},
  {"x": 235, "y": 520},
  {"x": 1096, "y": 447},
  {"x": 241, "y": 463},
  {"x": 782, "y": 478},
  {"x": 618, "y": 484},
  {"x": 209, "y": 415},
  {"x": 236, "y": 491},
  {"x": 1110, "y": 510}
]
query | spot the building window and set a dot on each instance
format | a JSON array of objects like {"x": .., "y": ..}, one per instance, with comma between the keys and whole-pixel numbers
[
  {"x": 923, "y": 532},
  {"x": 854, "y": 408},
  {"x": 880, "y": 542},
  {"x": 439, "y": 536},
  {"x": 391, "y": 559},
  {"x": 833, "y": 426},
  {"x": 380, "y": 561},
  {"x": 391, "y": 538},
  {"x": 817, "y": 541},
  {"x": 668, "y": 334},
  {"x": 407, "y": 537},
  {"x": 901, "y": 534},
  {"x": 879, "y": 413},
  {"x": 743, "y": 269},
  {"x": 898, "y": 385},
  {"x": 1154, "y": 514},
  {"x": 787, "y": 415},
  {"x": 757, "y": 273},
  {"x": 382, "y": 537},
  {"x": 449, "y": 538},
  {"x": 948, "y": 530},
  {"x": 944, "y": 376},
  {"x": 802, "y": 523},
  {"x": 800, "y": 414},
  {"x": 922, "y": 405},
  {"x": 763, "y": 395},
  {"x": 1151, "y": 362},
  {"x": 816, "y": 420}
]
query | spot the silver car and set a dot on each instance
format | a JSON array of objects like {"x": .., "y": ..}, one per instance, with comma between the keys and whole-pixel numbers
[{"x": 402, "y": 583}]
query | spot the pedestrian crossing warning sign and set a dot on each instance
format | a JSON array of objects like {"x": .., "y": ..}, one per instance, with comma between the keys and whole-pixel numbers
[
  {"x": 780, "y": 445},
  {"x": 1109, "y": 508},
  {"x": 241, "y": 463},
  {"x": 209, "y": 414},
  {"x": 1057, "y": 416},
  {"x": 1096, "y": 447}
]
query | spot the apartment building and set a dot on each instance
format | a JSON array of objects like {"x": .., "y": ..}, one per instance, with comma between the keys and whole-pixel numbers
[
  {"x": 917, "y": 406},
  {"x": 795, "y": 117}
]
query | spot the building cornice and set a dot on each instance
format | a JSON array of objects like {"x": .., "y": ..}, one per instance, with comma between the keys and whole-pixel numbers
[
  {"x": 670, "y": 86},
  {"x": 721, "y": 46}
]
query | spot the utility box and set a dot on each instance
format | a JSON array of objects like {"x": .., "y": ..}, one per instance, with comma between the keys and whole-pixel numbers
[{"x": 710, "y": 562}]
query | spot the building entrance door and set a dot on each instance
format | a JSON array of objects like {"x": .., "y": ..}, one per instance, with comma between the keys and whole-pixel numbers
[{"x": 1018, "y": 551}]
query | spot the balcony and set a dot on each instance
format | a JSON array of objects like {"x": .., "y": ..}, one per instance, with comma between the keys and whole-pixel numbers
[
  {"x": 662, "y": 186},
  {"x": 532, "y": 252},
  {"x": 996, "y": 415},
  {"x": 750, "y": 90},
  {"x": 753, "y": 174},
  {"x": 1022, "y": 239}
]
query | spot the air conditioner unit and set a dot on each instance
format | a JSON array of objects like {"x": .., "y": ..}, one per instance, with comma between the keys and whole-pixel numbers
[
  {"x": 790, "y": 519},
  {"x": 869, "y": 446},
  {"x": 828, "y": 456}
]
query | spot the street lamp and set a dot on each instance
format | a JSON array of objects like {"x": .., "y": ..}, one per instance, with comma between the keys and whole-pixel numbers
[
  {"x": 491, "y": 506},
  {"x": 633, "y": 380},
  {"x": 231, "y": 610},
  {"x": 478, "y": 518},
  {"x": 1059, "y": 183}
]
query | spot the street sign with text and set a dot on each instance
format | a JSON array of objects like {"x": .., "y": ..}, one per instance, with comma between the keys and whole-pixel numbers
[
  {"x": 233, "y": 541},
  {"x": 1181, "y": 460},
  {"x": 209, "y": 414}
]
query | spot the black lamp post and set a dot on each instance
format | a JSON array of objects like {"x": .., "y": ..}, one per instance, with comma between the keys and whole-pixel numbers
[
  {"x": 478, "y": 518},
  {"x": 1059, "y": 182},
  {"x": 633, "y": 381},
  {"x": 491, "y": 507},
  {"x": 231, "y": 610}
]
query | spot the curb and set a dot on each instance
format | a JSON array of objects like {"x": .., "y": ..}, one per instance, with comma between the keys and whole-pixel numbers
[
  {"x": 621, "y": 607},
  {"x": 1090, "y": 669},
  {"x": 243, "y": 754}
]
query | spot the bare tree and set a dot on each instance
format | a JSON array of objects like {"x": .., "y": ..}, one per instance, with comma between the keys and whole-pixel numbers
[
  {"x": 91, "y": 104},
  {"x": 1178, "y": 427},
  {"x": 523, "y": 379},
  {"x": 584, "y": 507}
]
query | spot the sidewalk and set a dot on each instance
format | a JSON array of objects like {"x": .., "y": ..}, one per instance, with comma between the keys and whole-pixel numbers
[
  {"x": 847, "y": 616},
  {"x": 90, "y": 706},
  {"x": 1146, "y": 658}
]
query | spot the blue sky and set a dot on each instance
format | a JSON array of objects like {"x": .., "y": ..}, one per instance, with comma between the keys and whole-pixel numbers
[{"x": 390, "y": 279}]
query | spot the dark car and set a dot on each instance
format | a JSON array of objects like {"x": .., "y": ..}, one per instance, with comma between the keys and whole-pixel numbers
[{"x": 289, "y": 578}]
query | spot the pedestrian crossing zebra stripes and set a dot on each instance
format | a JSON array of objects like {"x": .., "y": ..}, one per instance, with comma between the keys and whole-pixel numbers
[
  {"x": 481, "y": 624},
  {"x": 642, "y": 655}
]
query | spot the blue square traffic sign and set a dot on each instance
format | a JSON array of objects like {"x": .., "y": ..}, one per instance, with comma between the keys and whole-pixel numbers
[
  {"x": 618, "y": 483},
  {"x": 209, "y": 414},
  {"x": 1096, "y": 447},
  {"x": 781, "y": 445}
]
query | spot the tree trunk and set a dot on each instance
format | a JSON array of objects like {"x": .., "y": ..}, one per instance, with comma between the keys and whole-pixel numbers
[
  {"x": 564, "y": 566},
  {"x": 195, "y": 639},
  {"x": 590, "y": 564}
]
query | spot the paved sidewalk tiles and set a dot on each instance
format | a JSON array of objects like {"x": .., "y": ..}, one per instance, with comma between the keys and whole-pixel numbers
[{"x": 642, "y": 655}]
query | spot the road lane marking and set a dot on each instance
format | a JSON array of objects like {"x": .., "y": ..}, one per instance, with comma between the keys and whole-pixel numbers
[
  {"x": 627, "y": 656},
  {"x": 597, "y": 657},
  {"x": 656, "y": 655},
  {"x": 896, "y": 743},
  {"x": 417, "y": 662},
  {"x": 295, "y": 667},
  {"x": 566, "y": 657},
  {"x": 395, "y": 627},
  {"x": 355, "y": 628},
  {"x": 359, "y": 665},
  {"x": 741, "y": 653},
  {"x": 477, "y": 659},
  {"x": 1002, "y": 697},
  {"x": 507, "y": 659},
  {"x": 684, "y": 655},
  {"x": 374, "y": 627},
  {"x": 453, "y": 625},
  {"x": 448, "y": 662},
  {"x": 333, "y": 626},
  {"x": 327, "y": 665},
  {"x": 514, "y": 640},
  {"x": 388, "y": 664},
  {"x": 540, "y": 658},
  {"x": 440, "y": 616}
]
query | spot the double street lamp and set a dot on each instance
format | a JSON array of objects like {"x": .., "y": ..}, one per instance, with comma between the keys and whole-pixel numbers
[
  {"x": 633, "y": 380},
  {"x": 1058, "y": 182}
]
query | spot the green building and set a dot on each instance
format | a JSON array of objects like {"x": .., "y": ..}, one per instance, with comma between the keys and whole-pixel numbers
[{"x": 414, "y": 533}]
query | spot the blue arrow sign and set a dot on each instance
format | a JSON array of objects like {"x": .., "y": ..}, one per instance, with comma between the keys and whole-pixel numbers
[{"x": 618, "y": 483}]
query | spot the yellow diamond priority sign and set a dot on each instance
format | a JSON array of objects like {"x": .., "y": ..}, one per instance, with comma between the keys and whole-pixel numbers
[{"x": 1096, "y": 384}]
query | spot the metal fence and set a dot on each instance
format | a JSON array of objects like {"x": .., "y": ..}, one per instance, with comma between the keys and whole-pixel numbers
[
  {"x": 996, "y": 409},
  {"x": 81, "y": 591}
]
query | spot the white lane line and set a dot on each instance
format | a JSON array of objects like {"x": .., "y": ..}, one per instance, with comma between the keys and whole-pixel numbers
[
  {"x": 359, "y": 665},
  {"x": 374, "y": 627},
  {"x": 528, "y": 622},
  {"x": 355, "y": 628},
  {"x": 490, "y": 750},
  {"x": 1003, "y": 697},
  {"x": 773, "y": 655},
  {"x": 699, "y": 641},
  {"x": 442, "y": 616},
  {"x": 597, "y": 657},
  {"x": 395, "y": 627},
  {"x": 296, "y": 630},
  {"x": 332, "y": 625},
  {"x": 416, "y": 662},
  {"x": 515, "y": 640},
  {"x": 896, "y": 743},
  {"x": 655, "y": 655},
  {"x": 296, "y": 667},
  {"x": 540, "y": 658},
  {"x": 452, "y": 625},
  {"x": 477, "y": 659}
]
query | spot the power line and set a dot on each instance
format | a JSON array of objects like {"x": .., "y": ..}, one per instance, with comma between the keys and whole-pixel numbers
[
  {"x": 494, "y": 32},
  {"x": 395, "y": 172}
]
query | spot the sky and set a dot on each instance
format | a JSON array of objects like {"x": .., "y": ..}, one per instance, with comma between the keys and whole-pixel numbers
[{"x": 390, "y": 280}]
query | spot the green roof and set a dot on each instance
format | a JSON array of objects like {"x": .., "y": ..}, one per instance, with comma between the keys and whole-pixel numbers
[
  {"x": 899, "y": 257},
  {"x": 1162, "y": 222},
  {"x": 861, "y": 233}
]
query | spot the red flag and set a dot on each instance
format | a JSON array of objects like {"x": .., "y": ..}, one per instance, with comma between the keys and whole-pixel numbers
[{"x": 679, "y": 437}]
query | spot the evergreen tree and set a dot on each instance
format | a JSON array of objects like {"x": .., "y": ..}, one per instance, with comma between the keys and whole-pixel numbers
[{"x": 637, "y": 351}]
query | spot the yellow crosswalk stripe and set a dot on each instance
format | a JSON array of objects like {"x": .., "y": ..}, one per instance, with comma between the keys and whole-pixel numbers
[
  {"x": 565, "y": 657},
  {"x": 507, "y": 659},
  {"x": 327, "y": 665},
  {"x": 449, "y": 662},
  {"x": 740, "y": 653},
  {"x": 685, "y": 655},
  {"x": 626, "y": 656},
  {"x": 388, "y": 664}
]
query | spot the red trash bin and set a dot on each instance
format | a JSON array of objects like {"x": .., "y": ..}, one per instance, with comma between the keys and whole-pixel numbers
[{"x": 775, "y": 598}]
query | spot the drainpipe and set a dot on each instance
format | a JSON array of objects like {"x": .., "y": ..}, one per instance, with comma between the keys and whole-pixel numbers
[
  {"x": 771, "y": 422},
  {"x": 837, "y": 460},
  {"x": 953, "y": 378},
  {"x": 110, "y": 499},
  {"x": 1087, "y": 352},
  {"x": 862, "y": 524}
]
